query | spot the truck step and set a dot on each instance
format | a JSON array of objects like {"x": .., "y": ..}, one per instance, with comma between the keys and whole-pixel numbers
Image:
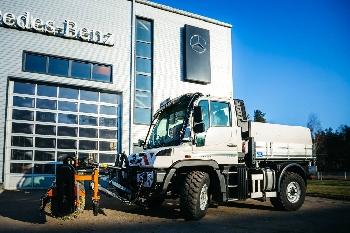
[
  {"x": 232, "y": 199},
  {"x": 232, "y": 186},
  {"x": 227, "y": 172}
]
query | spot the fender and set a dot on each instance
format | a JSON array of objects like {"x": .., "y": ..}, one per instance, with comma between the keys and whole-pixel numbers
[
  {"x": 284, "y": 170},
  {"x": 194, "y": 163}
]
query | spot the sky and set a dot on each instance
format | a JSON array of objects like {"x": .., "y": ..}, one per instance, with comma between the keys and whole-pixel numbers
[{"x": 291, "y": 58}]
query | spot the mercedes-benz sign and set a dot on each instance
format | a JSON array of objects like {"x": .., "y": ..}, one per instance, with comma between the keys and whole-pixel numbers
[
  {"x": 197, "y": 55},
  {"x": 198, "y": 44}
]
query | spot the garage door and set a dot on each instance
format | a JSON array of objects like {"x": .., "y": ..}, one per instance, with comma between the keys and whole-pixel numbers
[{"x": 46, "y": 123}]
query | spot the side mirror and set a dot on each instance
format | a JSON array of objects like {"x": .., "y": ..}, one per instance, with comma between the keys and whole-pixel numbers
[
  {"x": 199, "y": 127},
  {"x": 140, "y": 142},
  {"x": 197, "y": 114}
]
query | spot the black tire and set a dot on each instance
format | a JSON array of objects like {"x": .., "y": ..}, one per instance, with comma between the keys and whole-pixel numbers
[
  {"x": 292, "y": 193},
  {"x": 195, "y": 187}
]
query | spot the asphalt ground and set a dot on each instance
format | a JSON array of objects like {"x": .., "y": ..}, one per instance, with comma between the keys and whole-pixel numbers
[{"x": 19, "y": 212}]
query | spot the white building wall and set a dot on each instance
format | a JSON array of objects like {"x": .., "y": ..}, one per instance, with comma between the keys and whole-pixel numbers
[
  {"x": 113, "y": 16},
  {"x": 168, "y": 58},
  {"x": 107, "y": 15}
]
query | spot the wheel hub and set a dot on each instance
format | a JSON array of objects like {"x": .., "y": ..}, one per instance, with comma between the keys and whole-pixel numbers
[
  {"x": 203, "y": 197},
  {"x": 293, "y": 192}
]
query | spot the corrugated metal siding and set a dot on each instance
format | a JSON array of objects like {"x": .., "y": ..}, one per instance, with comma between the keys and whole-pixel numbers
[{"x": 107, "y": 15}]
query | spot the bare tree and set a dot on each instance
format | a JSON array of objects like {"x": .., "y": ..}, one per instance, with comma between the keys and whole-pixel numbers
[{"x": 314, "y": 124}]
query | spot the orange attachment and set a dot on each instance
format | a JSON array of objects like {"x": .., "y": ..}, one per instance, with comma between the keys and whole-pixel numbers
[{"x": 94, "y": 179}]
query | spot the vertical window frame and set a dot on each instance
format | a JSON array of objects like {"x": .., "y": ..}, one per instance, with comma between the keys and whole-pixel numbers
[{"x": 148, "y": 75}]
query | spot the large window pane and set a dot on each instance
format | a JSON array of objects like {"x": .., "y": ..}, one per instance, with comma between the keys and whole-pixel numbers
[
  {"x": 108, "y": 146},
  {"x": 58, "y": 66},
  {"x": 108, "y": 110},
  {"x": 89, "y": 108},
  {"x": 143, "y": 65},
  {"x": 143, "y": 99},
  {"x": 22, "y": 115},
  {"x": 88, "y": 132},
  {"x": 143, "y": 50},
  {"x": 22, "y": 141},
  {"x": 35, "y": 63},
  {"x": 219, "y": 113},
  {"x": 109, "y": 134},
  {"x": 22, "y": 128},
  {"x": 21, "y": 168},
  {"x": 46, "y": 104},
  {"x": 142, "y": 115},
  {"x": 23, "y": 102},
  {"x": 110, "y": 122},
  {"x": 21, "y": 154},
  {"x": 101, "y": 73},
  {"x": 80, "y": 70},
  {"x": 143, "y": 82},
  {"x": 68, "y": 93},
  {"x": 67, "y": 106},
  {"x": 67, "y": 118},
  {"x": 46, "y": 116},
  {"x": 87, "y": 145},
  {"x": 88, "y": 95},
  {"x": 143, "y": 30},
  {"x": 108, "y": 98},
  {"x": 45, "y": 142},
  {"x": 44, "y": 156},
  {"x": 45, "y": 129},
  {"x": 46, "y": 90},
  {"x": 67, "y": 131},
  {"x": 87, "y": 120},
  {"x": 61, "y": 155},
  {"x": 44, "y": 168},
  {"x": 66, "y": 144},
  {"x": 24, "y": 88},
  {"x": 107, "y": 158},
  {"x": 90, "y": 156}
]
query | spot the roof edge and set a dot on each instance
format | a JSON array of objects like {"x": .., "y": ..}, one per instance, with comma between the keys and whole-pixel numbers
[{"x": 182, "y": 12}]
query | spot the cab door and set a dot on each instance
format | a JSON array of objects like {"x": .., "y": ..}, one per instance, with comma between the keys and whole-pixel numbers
[{"x": 219, "y": 142}]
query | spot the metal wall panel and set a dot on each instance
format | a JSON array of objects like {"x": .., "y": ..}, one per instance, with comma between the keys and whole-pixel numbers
[
  {"x": 113, "y": 16},
  {"x": 107, "y": 15}
]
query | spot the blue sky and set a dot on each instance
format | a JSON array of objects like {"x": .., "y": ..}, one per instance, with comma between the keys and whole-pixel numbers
[{"x": 290, "y": 57}]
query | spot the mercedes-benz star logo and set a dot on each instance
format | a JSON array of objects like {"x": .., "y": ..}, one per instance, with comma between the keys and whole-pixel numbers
[{"x": 198, "y": 44}]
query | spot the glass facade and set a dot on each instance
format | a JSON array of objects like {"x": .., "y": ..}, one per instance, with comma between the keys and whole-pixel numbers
[
  {"x": 65, "y": 67},
  {"x": 50, "y": 122},
  {"x": 143, "y": 76}
]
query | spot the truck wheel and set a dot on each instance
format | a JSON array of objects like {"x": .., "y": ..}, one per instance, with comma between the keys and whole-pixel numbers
[
  {"x": 292, "y": 193},
  {"x": 194, "y": 196}
]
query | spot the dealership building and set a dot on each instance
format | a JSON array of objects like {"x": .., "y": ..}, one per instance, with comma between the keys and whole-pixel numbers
[{"x": 83, "y": 77}]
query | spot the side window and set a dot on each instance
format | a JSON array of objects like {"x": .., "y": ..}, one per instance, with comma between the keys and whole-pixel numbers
[
  {"x": 205, "y": 112},
  {"x": 219, "y": 114}
]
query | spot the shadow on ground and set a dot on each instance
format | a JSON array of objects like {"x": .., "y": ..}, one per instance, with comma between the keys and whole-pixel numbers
[
  {"x": 21, "y": 205},
  {"x": 19, "y": 212}
]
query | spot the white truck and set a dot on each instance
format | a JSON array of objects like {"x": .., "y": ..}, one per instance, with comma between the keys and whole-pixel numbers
[
  {"x": 199, "y": 149},
  {"x": 202, "y": 149}
]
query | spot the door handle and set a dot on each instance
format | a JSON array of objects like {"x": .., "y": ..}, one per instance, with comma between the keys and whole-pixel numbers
[{"x": 231, "y": 145}]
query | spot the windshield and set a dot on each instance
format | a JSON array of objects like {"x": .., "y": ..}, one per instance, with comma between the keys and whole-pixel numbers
[{"x": 166, "y": 131}]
